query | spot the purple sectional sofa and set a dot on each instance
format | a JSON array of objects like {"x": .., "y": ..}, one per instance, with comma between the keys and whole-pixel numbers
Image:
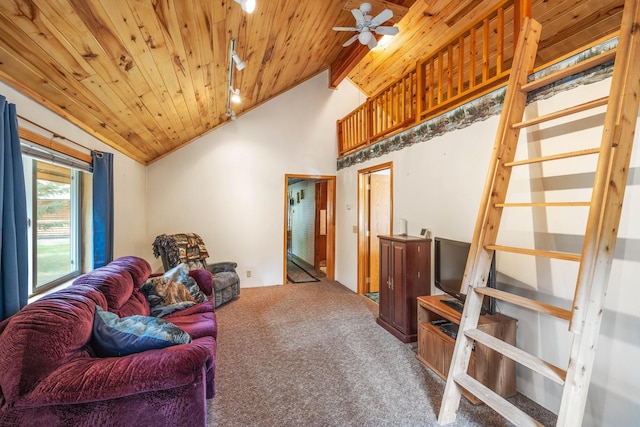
[{"x": 50, "y": 374}]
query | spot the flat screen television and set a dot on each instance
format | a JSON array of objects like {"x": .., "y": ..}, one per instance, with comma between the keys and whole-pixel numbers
[{"x": 450, "y": 262}]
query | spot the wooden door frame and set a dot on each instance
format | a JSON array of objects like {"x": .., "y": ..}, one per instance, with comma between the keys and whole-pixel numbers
[
  {"x": 331, "y": 222},
  {"x": 363, "y": 248}
]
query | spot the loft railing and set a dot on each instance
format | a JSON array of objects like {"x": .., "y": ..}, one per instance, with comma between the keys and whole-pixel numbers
[{"x": 475, "y": 62}]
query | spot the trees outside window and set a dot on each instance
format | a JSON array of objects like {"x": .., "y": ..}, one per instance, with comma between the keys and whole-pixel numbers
[{"x": 54, "y": 200}]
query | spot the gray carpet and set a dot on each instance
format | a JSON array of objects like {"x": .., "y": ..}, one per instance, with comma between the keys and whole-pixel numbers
[{"x": 311, "y": 354}]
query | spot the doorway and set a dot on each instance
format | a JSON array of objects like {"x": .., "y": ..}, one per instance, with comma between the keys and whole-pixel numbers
[
  {"x": 309, "y": 237},
  {"x": 375, "y": 217}
]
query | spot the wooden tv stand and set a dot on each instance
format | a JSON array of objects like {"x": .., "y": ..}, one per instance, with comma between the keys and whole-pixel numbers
[{"x": 435, "y": 348}]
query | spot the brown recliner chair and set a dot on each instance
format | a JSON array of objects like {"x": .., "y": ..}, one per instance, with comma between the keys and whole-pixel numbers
[{"x": 189, "y": 248}]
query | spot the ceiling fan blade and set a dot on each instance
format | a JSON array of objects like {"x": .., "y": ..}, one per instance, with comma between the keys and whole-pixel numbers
[
  {"x": 351, "y": 40},
  {"x": 372, "y": 43},
  {"x": 357, "y": 13},
  {"x": 345, "y": 29},
  {"x": 382, "y": 17},
  {"x": 388, "y": 31}
]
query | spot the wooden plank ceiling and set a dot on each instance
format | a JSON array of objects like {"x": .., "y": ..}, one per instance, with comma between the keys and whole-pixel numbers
[{"x": 148, "y": 76}]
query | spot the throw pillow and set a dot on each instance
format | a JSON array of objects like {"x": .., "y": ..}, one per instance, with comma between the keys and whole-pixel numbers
[{"x": 115, "y": 336}]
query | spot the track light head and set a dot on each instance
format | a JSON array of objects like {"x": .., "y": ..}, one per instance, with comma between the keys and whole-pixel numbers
[
  {"x": 235, "y": 95},
  {"x": 231, "y": 114},
  {"x": 240, "y": 64}
]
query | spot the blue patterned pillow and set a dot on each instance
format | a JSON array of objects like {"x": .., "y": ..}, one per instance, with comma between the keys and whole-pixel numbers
[{"x": 115, "y": 336}]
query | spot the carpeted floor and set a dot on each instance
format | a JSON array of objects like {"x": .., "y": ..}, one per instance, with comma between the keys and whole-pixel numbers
[{"x": 311, "y": 354}]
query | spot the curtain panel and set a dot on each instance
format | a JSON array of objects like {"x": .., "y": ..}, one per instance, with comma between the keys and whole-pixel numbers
[
  {"x": 14, "y": 264},
  {"x": 102, "y": 208}
]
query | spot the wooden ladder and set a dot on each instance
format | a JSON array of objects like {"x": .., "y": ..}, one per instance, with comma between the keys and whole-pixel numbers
[{"x": 605, "y": 208}]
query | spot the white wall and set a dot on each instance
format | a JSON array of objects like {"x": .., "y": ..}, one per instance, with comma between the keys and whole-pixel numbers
[
  {"x": 229, "y": 186},
  {"x": 437, "y": 184},
  {"x": 130, "y": 236},
  {"x": 302, "y": 217}
]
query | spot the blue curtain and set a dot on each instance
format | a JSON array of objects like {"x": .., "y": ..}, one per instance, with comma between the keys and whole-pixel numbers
[
  {"x": 14, "y": 264},
  {"x": 102, "y": 208}
]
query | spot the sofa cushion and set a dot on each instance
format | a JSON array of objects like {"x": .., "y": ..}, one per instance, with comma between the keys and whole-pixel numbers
[
  {"x": 136, "y": 304},
  {"x": 113, "y": 281},
  {"x": 204, "y": 279},
  {"x": 115, "y": 336},
  {"x": 198, "y": 321},
  {"x": 139, "y": 268},
  {"x": 119, "y": 281},
  {"x": 45, "y": 335}
]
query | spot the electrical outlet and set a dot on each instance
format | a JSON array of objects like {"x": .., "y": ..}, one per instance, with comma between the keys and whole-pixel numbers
[
  {"x": 248, "y": 273},
  {"x": 355, "y": 228}
]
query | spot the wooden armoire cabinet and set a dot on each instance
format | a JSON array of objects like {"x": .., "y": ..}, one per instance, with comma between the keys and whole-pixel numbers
[{"x": 405, "y": 272}]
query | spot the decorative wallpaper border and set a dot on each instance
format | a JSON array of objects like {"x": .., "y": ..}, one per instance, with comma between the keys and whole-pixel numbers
[{"x": 484, "y": 107}]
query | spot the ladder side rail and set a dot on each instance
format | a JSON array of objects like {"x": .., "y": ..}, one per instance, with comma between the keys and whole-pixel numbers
[
  {"x": 619, "y": 135},
  {"x": 617, "y": 106},
  {"x": 514, "y": 104}
]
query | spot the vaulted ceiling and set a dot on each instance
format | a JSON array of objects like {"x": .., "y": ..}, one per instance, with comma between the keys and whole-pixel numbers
[{"x": 149, "y": 76}]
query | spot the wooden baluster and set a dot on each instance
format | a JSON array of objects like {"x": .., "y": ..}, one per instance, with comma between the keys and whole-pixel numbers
[
  {"x": 460, "y": 65},
  {"x": 472, "y": 57},
  {"x": 500, "y": 41},
  {"x": 485, "y": 50},
  {"x": 431, "y": 82},
  {"x": 450, "y": 71},
  {"x": 421, "y": 90},
  {"x": 440, "y": 77}
]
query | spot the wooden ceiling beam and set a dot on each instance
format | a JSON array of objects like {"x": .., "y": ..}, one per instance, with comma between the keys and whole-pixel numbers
[{"x": 346, "y": 61}]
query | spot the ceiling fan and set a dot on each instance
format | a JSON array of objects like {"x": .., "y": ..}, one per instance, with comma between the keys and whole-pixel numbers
[{"x": 367, "y": 25}]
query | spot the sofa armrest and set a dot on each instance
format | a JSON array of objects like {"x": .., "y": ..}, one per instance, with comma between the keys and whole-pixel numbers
[
  {"x": 94, "y": 379},
  {"x": 204, "y": 279},
  {"x": 219, "y": 267}
]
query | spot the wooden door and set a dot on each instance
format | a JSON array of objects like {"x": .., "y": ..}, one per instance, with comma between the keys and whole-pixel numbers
[
  {"x": 373, "y": 183},
  {"x": 379, "y": 221},
  {"x": 320, "y": 245}
]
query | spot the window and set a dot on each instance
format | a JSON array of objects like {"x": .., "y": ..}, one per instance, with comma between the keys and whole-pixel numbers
[{"x": 54, "y": 207}]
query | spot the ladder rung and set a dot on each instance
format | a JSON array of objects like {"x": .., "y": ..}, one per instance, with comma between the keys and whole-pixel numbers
[
  {"x": 531, "y": 304},
  {"x": 501, "y": 405},
  {"x": 569, "y": 71},
  {"x": 514, "y": 353},
  {"x": 567, "y": 111},
  {"x": 553, "y": 157},
  {"x": 541, "y": 204},
  {"x": 536, "y": 252}
]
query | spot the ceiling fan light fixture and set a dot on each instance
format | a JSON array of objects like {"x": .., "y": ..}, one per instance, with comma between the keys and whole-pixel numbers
[
  {"x": 365, "y": 8},
  {"x": 365, "y": 37},
  {"x": 366, "y": 25},
  {"x": 247, "y": 5}
]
